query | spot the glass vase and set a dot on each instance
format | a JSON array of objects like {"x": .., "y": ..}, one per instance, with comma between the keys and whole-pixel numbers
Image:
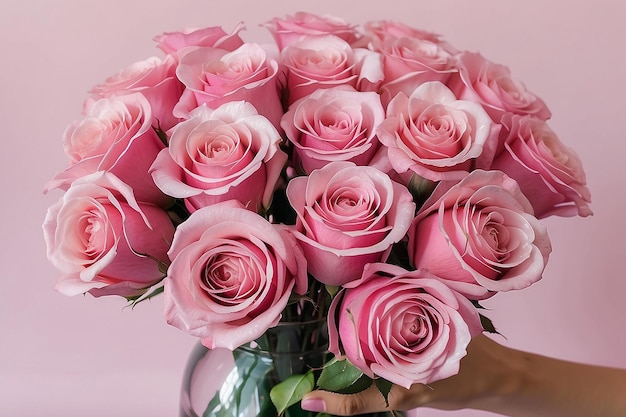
[{"x": 224, "y": 383}]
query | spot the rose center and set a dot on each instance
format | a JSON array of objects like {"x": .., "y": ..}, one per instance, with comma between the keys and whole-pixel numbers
[
  {"x": 438, "y": 132},
  {"x": 218, "y": 149},
  {"x": 512, "y": 89},
  {"x": 228, "y": 277},
  {"x": 417, "y": 325},
  {"x": 94, "y": 234},
  {"x": 495, "y": 236}
]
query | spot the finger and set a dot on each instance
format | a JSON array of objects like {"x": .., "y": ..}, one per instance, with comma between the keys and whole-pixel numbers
[{"x": 367, "y": 401}]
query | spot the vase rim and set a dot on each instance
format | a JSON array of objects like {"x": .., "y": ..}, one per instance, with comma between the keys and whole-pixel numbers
[{"x": 320, "y": 350}]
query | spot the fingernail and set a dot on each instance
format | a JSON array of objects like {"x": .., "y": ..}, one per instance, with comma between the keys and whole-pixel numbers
[{"x": 313, "y": 404}]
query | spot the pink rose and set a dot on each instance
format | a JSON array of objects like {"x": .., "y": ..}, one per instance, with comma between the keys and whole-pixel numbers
[
  {"x": 347, "y": 216},
  {"x": 213, "y": 37},
  {"x": 406, "y": 327},
  {"x": 327, "y": 61},
  {"x": 231, "y": 275},
  {"x": 336, "y": 124},
  {"x": 116, "y": 136},
  {"x": 434, "y": 135},
  {"x": 492, "y": 86},
  {"x": 155, "y": 79},
  {"x": 382, "y": 31},
  {"x": 549, "y": 173},
  {"x": 104, "y": 241},
  {"x": 410, "y": 62},
  {"x": 214, "y": 76},
  {"x": 480, "y": 236},
  {"x": 302, "y": 24},
  {"x": 228, "y": 153}
]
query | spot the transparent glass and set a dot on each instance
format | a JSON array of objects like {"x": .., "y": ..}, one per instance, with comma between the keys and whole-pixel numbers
[{"x": 224, "y": 383}]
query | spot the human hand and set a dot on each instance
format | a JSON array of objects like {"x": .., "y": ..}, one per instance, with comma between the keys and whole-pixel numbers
[{"x": 484, "y": 375}]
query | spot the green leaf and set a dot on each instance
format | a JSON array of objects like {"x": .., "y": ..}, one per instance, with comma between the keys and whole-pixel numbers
[
  {"x": 359, "y": 385},
  {"x": 384, "y": 387},
  {"x": 342, "y": 377},
  {"x": 332, "y": 290},
  {"x": 151, "y": 292},
  {"x": 162, "y": 135},
  {"x": 488, "y": 325},
  {"x": 291, "y": 390},
  {"x": 420, "y": 188}
]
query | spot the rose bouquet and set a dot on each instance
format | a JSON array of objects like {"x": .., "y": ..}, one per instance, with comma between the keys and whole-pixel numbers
[{"x": 372, "y": 177}]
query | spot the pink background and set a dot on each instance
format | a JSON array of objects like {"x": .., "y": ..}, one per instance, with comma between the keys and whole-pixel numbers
[{"x": 79, "y": 356}]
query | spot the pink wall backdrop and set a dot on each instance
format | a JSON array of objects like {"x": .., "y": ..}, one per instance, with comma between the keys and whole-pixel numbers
[{"x": 80, "y": 356}]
